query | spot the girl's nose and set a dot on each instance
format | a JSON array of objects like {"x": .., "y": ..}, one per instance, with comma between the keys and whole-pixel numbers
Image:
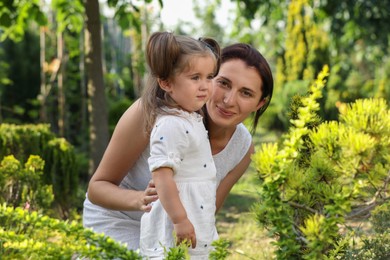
[{"x": 204, "y": 86}]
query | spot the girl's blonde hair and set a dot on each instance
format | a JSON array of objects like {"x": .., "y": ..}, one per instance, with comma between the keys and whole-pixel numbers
[{"x": 168, "y": 55}]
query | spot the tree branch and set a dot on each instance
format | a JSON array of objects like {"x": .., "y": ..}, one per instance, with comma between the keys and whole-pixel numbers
[{"x": 300, "y": 206}]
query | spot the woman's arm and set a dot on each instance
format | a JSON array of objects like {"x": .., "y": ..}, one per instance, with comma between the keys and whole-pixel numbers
[
  {"x": 232, "y": 177},
  {"x": 170, "y": 200},
  {"x": 126, "y": 145}
]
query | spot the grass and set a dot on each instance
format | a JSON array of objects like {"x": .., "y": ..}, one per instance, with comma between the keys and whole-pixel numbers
[{"x": 236, "y": 221}]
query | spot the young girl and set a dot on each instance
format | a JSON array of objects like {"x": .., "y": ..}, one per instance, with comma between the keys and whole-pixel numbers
[{"x": 183, "y": 171}]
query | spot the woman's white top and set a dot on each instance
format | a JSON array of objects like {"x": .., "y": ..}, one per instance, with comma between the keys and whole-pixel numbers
[
  {"x": 124, "y": 226},
  {"x": 181, "y": 142}
]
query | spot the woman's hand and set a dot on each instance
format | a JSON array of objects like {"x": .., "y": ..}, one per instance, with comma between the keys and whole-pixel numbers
[
  {"x": 185, "y": 231},
  {"x": 148, "y": 196}
]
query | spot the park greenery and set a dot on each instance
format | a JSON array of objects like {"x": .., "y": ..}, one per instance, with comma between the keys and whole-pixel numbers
[{"x": 68, "y": 71}]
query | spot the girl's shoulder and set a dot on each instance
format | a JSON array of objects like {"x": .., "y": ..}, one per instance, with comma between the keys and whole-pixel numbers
[{"x": 178, "y": 117}]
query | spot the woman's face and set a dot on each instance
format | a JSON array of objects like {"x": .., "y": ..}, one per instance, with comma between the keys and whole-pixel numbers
[{"x": 235, "y": 94}]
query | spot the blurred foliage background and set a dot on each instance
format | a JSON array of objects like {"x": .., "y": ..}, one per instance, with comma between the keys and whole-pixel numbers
[{"x": 69, "y": 69}]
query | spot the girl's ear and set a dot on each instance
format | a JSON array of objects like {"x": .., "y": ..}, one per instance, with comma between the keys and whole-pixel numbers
[{"x": 164, "y": 85}]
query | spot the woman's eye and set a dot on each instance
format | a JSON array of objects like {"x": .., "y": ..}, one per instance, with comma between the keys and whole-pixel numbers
[
  {"x": 247, "y": 93},
  {"x": 222, "y": 83}
]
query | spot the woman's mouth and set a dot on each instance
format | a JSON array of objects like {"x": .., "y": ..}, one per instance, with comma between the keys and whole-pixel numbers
[{"x": 225, "y": 112}]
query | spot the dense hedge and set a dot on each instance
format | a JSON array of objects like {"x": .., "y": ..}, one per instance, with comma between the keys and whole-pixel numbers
[
  {"x": 61, "y": 169},
  {"x": 29, "y": 235}
]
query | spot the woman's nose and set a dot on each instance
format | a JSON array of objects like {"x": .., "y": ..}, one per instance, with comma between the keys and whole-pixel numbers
[{"x": 229, "y": 98}]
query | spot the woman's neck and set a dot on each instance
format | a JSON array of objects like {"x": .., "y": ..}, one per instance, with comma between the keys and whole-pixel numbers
[{"x": 219, "y": 136}]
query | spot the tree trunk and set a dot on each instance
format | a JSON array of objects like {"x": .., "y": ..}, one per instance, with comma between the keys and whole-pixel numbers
[
  {"x": 83, "y": 93},
  {"x": 42, "y": 96},
  {"x": 97, "y": 108},
  {"x": 60, "y": 85}
]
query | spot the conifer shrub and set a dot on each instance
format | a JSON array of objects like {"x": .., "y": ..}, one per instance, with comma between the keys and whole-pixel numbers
[
  {"x": 367, "y": 244},
  {"x": 322, "y": 175},
  {"x": 22, "y": 186},
  {"x": 61, "y": 169},
  {"x": 377, "y": 245}
]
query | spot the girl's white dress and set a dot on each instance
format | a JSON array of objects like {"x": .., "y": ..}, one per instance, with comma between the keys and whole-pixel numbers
[{"x": 181, "y": 142}]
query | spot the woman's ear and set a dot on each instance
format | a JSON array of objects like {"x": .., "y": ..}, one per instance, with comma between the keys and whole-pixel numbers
[
  {"x": 164, "y": 85},
  {"x": 261, "y": 103}
]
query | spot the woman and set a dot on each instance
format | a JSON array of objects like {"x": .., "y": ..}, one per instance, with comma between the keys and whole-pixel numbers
[{"x": 120, "y": 191}]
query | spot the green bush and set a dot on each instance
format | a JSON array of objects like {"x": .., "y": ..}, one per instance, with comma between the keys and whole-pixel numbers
[
  {"x": 29, "y": 235},
  {"x": 116, "y": 110},
  {"x": 61, "y": 169},
  {"x": 380, "y": 217},
  {"x": 321, "y": 175},
  {"x": 373, "y": 244},
  {"x": 23, "y": 186}
]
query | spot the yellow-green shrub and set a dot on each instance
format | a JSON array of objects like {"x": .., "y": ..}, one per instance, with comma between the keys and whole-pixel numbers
[
  {"x": 323, "y": 174},
  {"x": 60, "y": 170},
  {"x": 22, "y": 186},
  {"x": 30, "y": 235}
]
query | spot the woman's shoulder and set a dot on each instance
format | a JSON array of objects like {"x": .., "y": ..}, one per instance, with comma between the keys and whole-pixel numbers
[
  {"x": 133, "y": 116},
  {"x": 239, "y": 143},
  {"x": 242, "y": 134},
  {"x": 234, "y": 152}
]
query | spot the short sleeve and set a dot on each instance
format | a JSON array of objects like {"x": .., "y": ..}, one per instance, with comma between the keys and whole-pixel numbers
[
  {"x": 237, "y": 147},
  {"x": 168, "y": 142}
]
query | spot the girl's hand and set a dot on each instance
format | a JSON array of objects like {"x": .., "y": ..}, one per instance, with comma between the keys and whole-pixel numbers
[
  {"x": 148, "y": 196},
  {"x": 185, "y": 232}
]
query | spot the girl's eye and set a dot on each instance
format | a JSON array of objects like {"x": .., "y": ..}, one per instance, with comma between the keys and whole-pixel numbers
[
  {"x": 195, "y": 78},
  {"x": 210, "y": 77}
]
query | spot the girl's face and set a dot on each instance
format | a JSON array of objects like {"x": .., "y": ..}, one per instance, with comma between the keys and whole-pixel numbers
[
  {"x": 236, "y": 93},
  {"x": 191, "y": 88}
]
